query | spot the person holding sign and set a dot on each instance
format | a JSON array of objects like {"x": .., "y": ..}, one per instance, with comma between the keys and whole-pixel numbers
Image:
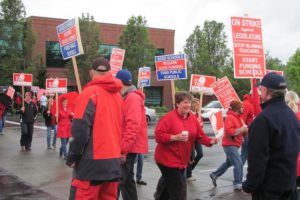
[
  {"x": 50, "y": 123},
  {"x": 232, "y": 140},
  {"x": 28, "y": 114},
  {"x": 175, "y": 135},
  {"x": 273, "y": 145},
  {"x": 95, "y": 152}
]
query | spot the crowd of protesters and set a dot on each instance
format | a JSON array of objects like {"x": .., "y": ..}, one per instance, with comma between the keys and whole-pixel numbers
[{"x": 109, "y": 134}]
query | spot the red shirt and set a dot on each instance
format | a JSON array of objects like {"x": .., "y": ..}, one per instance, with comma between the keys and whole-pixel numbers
[
  {"x": 232, "y": 123},
  {"x": 176, "y": 154}
]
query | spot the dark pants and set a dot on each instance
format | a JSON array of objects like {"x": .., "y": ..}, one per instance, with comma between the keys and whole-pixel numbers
[
  {"x": 263, "y": 195},
  {"x": 127, "y": 185},
  {"x": 171, "y": 185},
  {"x": 199, "y": 155},
  {"x": 26, "y": 137}
]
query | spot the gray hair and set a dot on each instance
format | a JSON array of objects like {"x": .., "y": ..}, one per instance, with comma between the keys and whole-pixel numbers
[{"x": 276, "y": 92}]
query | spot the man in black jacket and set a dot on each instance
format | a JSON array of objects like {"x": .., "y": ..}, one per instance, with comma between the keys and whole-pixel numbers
[
  {"x": 28, "y": 115},
  {"x": 273, "y": 145}
]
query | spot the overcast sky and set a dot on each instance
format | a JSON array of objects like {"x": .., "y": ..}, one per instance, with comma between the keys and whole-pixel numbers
[{"x": 280, "y": 19}]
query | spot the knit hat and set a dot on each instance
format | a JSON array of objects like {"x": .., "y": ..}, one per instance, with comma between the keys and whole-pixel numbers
[
  {"x": 125, "y": 76},
  {"x": 273, "y": 81},
  {"x": 101, "y": 65},
  {"x": 235, "y": 105}
]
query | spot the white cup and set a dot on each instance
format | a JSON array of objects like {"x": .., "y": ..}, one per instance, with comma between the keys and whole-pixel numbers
[{"x": 185, "y": 133}]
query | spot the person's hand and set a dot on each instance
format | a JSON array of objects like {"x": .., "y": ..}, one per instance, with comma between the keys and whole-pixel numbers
[
  {"x": 72, "y": 113},
  {"x": 244, "y": 129},
  {"x": 214, "y": 141},
  {"x": 23, "y": 109},
  {"x": 245, "y": 193},
  {"x": 180, "y": 137},
  {"x": 48, "y": 112}
]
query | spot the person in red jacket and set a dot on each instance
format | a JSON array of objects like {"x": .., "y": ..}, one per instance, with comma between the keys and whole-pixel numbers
[
  {"x": 175, "y": 135},
  {"x": 134, "y": 139},
  {"x": 64, "y": 127},
  {"x": 95, "y": 152},
  {"x": 232, "y": 140},
  {"x": 247, "y": 116}
]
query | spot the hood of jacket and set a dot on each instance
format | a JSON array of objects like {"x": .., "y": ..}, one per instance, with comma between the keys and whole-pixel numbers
[{"x": 107, "y": 82}]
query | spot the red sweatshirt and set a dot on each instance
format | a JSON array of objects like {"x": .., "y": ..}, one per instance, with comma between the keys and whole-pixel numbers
[{"x": 177, "y": 154}]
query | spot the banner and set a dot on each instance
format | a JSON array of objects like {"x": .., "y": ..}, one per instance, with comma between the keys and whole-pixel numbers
[
  {"x": 116, "y": 60},
  {"x": 216, "y": 120},
  {"x": 69, "y": 38},
  {"x": 171, "y": 67},
  {"x": 21, "y": 79},
  {"x": 35, "y": 88},
  {"x": 224, "y": 92},
  {"x": 276, "y": 71},
  {"x": 10, "y": 92},
  {"x": 58, "y": 85},
  {"x": 144, "y": 77},
  {"x": 201, "y": 83},
  {"x": 249, "y": 57}
]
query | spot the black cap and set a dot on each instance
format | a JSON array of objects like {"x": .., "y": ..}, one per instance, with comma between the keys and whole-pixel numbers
[
  {"x": 101, "y": 65},
  {"x": 273, "y": 81}
]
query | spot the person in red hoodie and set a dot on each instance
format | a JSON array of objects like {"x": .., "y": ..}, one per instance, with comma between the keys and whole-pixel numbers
[
  {"x": 64, "y": 127},
  {"x": 247, "y": 116},
  {"x": 95, "y": 152},
  {"x": 232, "y": 140},
  {"x": 134, "y": 137},
  {"x": 175, "y": 135}
]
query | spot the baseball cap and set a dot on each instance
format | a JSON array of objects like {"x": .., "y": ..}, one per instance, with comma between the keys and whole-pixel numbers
[
  {"x": 101, "y": 65},
  {"x": 273, "y": 81},
  {"x": 125, "y": 76}
]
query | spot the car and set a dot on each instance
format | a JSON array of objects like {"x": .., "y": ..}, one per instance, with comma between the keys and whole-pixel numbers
[
  {"x": 150, "y": 114},
  {"x": 210, "y": 108}
]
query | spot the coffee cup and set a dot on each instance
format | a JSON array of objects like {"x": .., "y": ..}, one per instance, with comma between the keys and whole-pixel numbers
[{"x": 185, "y": 133}]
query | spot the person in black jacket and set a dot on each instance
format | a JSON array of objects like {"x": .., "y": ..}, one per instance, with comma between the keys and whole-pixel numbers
[
  {"x": 273, "y": 145},
  {"x": 50, "y": 124},
  {"x": 28, "y": 115}
]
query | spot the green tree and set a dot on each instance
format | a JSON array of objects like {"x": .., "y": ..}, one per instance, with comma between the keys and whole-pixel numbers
[
  {"x": 89, "y": 31},
  {"x": 139, "y": 50},
  {"x": 292, "y": 72},
  {"x": 16, "y": 40},
  {"x": 206, "y": 49},
  {"x": 273, "y": 63}
]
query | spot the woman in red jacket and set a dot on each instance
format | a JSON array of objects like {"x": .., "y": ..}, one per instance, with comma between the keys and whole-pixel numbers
[
  {"x": 175, "y": 135},
  {"x": 64, "y": 127},
  {"x": 232, "y": 140}
]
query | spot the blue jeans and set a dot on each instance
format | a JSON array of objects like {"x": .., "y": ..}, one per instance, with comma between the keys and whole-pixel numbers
[
  {"x": 4, "y": 118},
  {"x": 244, "y": 151},
  {"x": 63, "y": 148},
  {"x": 139, "y": 166},
  {"x": 49, "y": 129},
  {"x": 232, "y": 158},
  {"x": 1, "y": 126}
]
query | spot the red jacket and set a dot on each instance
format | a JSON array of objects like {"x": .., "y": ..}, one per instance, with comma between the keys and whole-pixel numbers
[
  {"x": 96, "y": 130},
  {"x": 248, "y": 113},
  {"x": 134, "y": 125},
  {"x": 177, "y": 154},
  {"x": 232, "y": 123},
  {"x": 64, "y": 123}
]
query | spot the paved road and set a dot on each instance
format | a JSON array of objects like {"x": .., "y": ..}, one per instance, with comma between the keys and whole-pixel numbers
[{"x": 43, "y": 175}]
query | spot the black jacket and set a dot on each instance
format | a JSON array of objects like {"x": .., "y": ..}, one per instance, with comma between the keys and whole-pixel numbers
[
  {"x": 273, "y": 149},
  {"x": 47, "y": 117},
  {"x": 30, "y": 113}
]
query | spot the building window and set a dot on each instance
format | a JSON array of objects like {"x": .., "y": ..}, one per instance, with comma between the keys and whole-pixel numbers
[
  {"x": 153, "y": 96},
  {"x": 53, "y": 55},
  {"x": 105, "y": 50},
  {"x": 160, "y": 52}
]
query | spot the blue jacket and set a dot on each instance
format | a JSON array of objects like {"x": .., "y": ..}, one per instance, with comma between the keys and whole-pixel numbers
[{"x": 273, "y": 149}]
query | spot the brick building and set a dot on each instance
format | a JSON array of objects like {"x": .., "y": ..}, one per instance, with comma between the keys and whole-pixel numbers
[{"x": 47, "y": 45}]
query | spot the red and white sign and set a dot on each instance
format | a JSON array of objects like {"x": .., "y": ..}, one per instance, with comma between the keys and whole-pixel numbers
[
  {"x": 116, "y": 60},
  {"x": 224, "y": 92},
  {"x": 249, "y": 57},
  {"x": 217, "y": 124},
  {"x": 200, "y": 83},
  {"x": 276, "y": 71},
  {"x": 35, "y": 88},
  {"x": 58, "y": 85},
  {"x": 21, "y": 79},
  {"x": 10, "y": 92}
]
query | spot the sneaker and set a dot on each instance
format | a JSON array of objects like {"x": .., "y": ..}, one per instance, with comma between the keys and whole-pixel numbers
[
  {"x": 141, "y": 182},
  {"x": 22, "y": 148},
  {"x": 54, "y": 146},
  {"x": 213, "y": 179},
  {"x": 191, "y": 179},
  {"x": 49, "y": 147},
  {"x": 237, "y": 187}
]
